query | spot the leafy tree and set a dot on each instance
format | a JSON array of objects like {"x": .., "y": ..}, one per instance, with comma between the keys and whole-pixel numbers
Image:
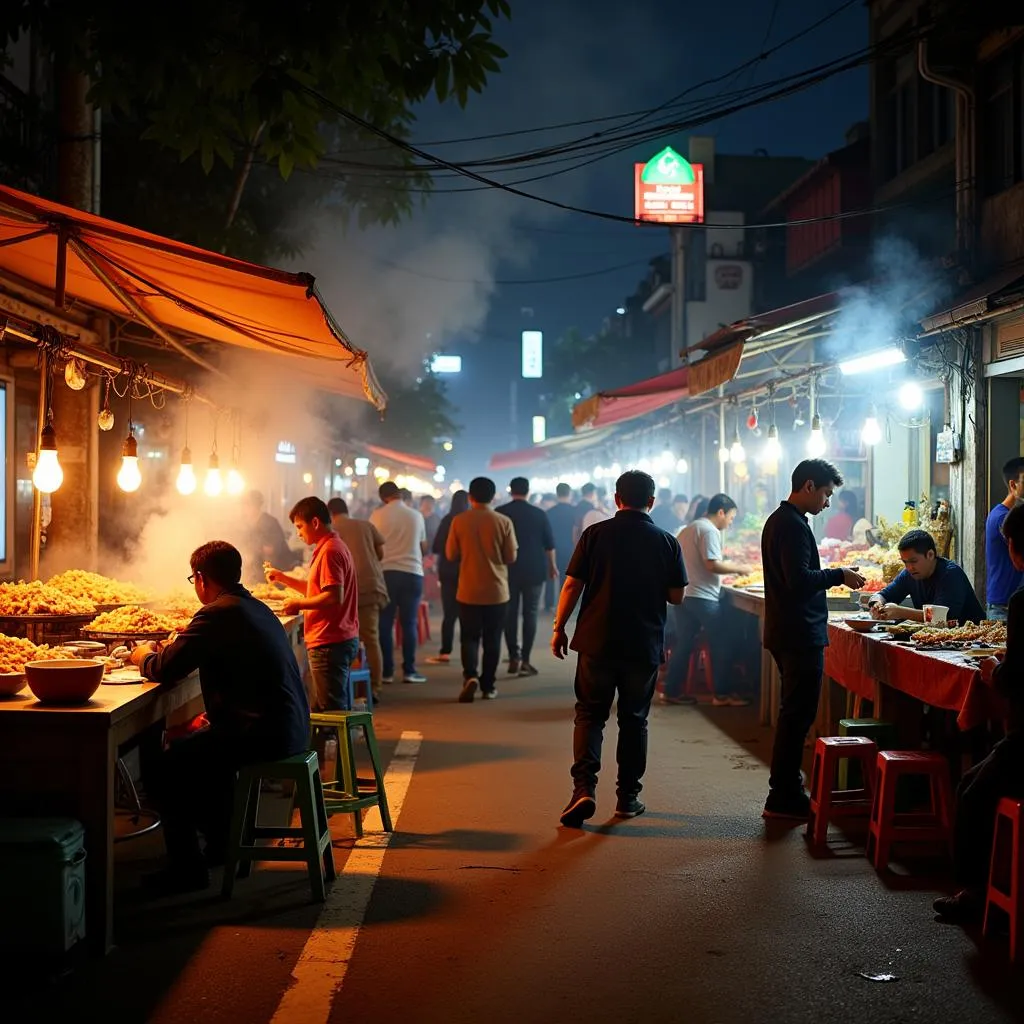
[
  {"x": 418, "y": 414},
  {"x": 239, "y": 85}
]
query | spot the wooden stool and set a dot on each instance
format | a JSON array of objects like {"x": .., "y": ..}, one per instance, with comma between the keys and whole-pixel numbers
[
  {"x": 347, "y": 798},
  {"x": 1006, "y": 874},
  {"x": 887, "y": 826},
  {"x": 700, "y": 666},
  {"x": 828, "y": 804},
  {"x": 315, "y": 832}
]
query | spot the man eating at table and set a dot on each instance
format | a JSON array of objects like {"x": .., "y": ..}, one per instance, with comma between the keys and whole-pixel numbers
[
  {"x": 255, "y": 702},
  {"x": 927, "y": 579}
]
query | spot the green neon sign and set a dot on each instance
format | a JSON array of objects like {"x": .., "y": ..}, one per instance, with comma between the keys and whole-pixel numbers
[{"x": 668, "y": 168}]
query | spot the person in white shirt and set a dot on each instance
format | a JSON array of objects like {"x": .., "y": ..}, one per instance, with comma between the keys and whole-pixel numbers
[
  {"x": 405, "y": 543},
  {"x": 701, "y": 542}
]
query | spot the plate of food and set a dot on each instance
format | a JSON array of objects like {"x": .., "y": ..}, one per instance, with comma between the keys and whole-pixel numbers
[{"x": 861, "y": 623}]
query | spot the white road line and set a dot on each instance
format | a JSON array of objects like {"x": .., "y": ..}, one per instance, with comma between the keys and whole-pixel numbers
[{"x": 323, "y": 962}]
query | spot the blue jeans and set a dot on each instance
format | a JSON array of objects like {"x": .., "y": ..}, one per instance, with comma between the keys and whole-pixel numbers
[
  {"x": 329, "y": 667},
  {"x": 405, "y": 591},
  {"x": 998, "y": 612}
]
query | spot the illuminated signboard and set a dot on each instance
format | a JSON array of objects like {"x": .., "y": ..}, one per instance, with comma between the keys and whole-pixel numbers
[
  {"x": 285, "y": 452},
  {"x": 669, "y": 189},
  {"x": 446, "y": 364},
  {"x": 540, "y": 429},
  {"x": 533, "y": 354}
]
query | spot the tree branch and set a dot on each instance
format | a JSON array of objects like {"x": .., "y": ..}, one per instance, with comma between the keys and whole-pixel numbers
[{"x": 243, "y": 176}]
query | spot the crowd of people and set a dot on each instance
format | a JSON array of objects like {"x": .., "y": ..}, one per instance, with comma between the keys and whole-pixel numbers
[{"x": 656, "y": 561}]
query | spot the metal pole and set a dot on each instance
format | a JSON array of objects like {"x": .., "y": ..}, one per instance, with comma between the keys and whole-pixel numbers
[
  {"x": 721, "y": 441},
  {"x": 35, "y": 541}
]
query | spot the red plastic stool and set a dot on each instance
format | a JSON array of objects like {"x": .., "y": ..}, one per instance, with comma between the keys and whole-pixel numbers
[
  {"x": 422, "y": 625},
  {"x": 828, "y": 804},
  {"x": 888, "y": 827},
  {"x": 700, "y": 666},
  {"x": 1006, "y": 874}
]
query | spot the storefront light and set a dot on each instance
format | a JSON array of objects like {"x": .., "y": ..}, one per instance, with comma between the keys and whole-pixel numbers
[
  {"x": 128, "y": 476},
  {"x": 235, "y": 482},
  {"x": 871, "y": 432},
  {"x": 816, "y": 442},
  {"x": 723, "y": 454},
  {"x": 772, "y": 447},
  {"x": 682, "y": 466},
  {"x": 186, "y": 482},
  {"x": 873, "y": 361},
  {"x": 48, "y": 474},
  {"x": 213, "y": 484},
  {"x": 911, "y": 396},
  {"x": 737, "y": 453}
]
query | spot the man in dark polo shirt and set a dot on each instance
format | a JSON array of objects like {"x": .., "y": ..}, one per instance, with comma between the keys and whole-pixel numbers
[
  {"x": 626, "y": 569},
  {"x": 534, "y": 564},
  {"x": 796, "y": 625}
]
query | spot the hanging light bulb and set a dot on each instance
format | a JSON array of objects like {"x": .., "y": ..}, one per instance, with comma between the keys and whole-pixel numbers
[
  {"x": 186, "y": 482},
  {"x": 723, "y": 454},
  {"x": 737, "y": 453},
  {"x": 871, "y": 432},
  {"x": 213, "y": 485},
  {"x": 48, "y": 474},
  {"x": 74, "y": 374},
  {"x": 772, "y": 447},
  {"x": 816, "y": 442},
  {"x": 128, "y": 476},
  {"x": 682, "y": 466},
  {"x": 911, "y": 396},
  {"x": 235, "y": 481}
]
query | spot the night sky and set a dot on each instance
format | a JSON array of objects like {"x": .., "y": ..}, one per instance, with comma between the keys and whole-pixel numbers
[{"x": 568, "y": 60}]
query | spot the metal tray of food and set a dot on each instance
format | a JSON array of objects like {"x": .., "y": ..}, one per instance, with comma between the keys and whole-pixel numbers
[
  {"x": 95, "y": 634},
  {"x": 50, "y": 617}
]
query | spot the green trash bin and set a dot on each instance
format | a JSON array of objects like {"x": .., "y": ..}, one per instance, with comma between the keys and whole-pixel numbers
[{"x": 42, "y": 884}]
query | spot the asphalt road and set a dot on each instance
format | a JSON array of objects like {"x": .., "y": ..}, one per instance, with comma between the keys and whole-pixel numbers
[{"x": 484, "y": 910}]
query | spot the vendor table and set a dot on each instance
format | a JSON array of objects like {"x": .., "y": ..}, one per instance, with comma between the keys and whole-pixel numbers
[
  {"x": 62, "y": 760},
  {"x": 752, "y": 603}
]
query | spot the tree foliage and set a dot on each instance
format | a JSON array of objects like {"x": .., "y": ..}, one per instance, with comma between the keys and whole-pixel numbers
[
  {"x": 225, "y": 86},
  {"x": 418, "y": 414}
]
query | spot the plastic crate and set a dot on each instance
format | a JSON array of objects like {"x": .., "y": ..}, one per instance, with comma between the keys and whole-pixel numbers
[{"x": 42, "y": 884}]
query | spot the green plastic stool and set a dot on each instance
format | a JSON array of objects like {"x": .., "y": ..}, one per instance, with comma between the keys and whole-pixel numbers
[
  {"x": 316, "y": 849},
  {"x": 884, "y": 735},
  {"x": 346, "y": 797}
]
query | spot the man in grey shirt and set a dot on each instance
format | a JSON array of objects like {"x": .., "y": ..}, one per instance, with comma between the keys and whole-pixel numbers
[{"x": 701, "y": 542}]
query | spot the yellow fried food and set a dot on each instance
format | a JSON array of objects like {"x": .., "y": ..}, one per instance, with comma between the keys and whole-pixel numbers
[
  {"x": 91, "y": 586},
  {"x": 131, "y": 619},
  {"x": 16, "y": 650},
  {"x": 37, "y": 598},
  {"x": 988, "y": 633},
  {"x": 268, "y": 592}
]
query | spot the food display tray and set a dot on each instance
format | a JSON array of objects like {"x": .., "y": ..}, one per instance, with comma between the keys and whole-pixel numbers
[
  {"x": 44, "y": 629},
  {"x": 96, "y": 634}
]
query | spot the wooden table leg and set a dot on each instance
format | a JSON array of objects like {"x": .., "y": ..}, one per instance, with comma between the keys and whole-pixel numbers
[{"x": 95, "y": 796}]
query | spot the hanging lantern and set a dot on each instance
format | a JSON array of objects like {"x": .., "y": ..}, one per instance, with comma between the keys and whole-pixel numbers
[{"x": 74, "y": 374}]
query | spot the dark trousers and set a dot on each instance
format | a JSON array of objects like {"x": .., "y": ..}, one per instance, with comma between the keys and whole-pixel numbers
[
  {"x": 597, "y": 682},
  {"x": 405, "y": 591},
  {"x": 550, "y": 597},
  {"x": 329, "y": 668},
  {"x": 801, "y": 671},
  {"x": 450, "y": 613},
  {"x": 693, "y": 616},
  {"x": 998, "y": 775},
  {"x": 481, "y": 624},
  {"x": 192, "y": 785},
  {"x": 527, "y": 595}
]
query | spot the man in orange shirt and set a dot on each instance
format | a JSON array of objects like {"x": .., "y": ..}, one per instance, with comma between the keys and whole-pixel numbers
[{"x": 330, "y": 606}]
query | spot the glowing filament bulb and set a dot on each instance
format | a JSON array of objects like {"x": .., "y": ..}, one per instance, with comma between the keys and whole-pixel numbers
[
  {"x": 213, "y": 484},
  {"x": 128, "y": 476},
  {"x": 48, "y": 474},
  {"x": 186, "y": 482}
]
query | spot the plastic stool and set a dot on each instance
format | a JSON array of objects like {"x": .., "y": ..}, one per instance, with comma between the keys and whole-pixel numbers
[
  {"x": 1006, "y": 874},
  {"x": 315, "y": 832},
  {"x": 347, "y": 798},
  {"x": 887, "y": 826},
  {"x": 700, "y": 665},
  {"x": 828, "y": 804},
  {"x": 360, "y": 673},
  {"x": 422, "y": 625},
  {"x": 884, "y": 735}
]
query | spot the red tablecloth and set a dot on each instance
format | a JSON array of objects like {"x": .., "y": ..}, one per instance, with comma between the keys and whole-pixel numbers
[{"x": 943, "y": 679}]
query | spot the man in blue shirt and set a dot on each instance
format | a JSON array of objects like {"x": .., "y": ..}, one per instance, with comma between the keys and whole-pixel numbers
[
  {"x": 1002, "y": 578},
  {"x": 927, "y": 579}
]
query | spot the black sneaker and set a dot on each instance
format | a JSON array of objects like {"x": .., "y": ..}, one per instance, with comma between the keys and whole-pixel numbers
[
  {"x": 964, "y": 907},
  {"x": 795, "y": 807},
  {"x": 468, "y": 691},
  {"x": 514, "y": 664},
  {"x": 581, "y": 807},
  {"x": 526, "y": 669},
  {"x": 629, "y": 807}
]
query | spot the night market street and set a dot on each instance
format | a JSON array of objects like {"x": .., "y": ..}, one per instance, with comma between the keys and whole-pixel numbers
[{"x": 486, "y": 910}]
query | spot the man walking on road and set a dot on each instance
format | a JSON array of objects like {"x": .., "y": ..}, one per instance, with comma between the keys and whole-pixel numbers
[
  {"x": 796, "y": 625},
  {"x": 405, "y": 544},
  {"x": 562, "y": 516},
  {"x": 625, "y": 569},
  {"x": 534, "y": 564},
  {"x": 484, "y": 545}
]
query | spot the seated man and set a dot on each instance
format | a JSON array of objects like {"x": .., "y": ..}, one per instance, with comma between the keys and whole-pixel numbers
[
  {"x": 1002, "y": 772},
  {"x": 927, "y": 579},
  {"x": 255, "y": 702}
]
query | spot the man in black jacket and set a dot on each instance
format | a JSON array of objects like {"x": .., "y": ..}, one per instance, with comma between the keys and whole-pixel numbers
[
  {"x": 796, "y": 624},
  {"x": 255, "y": 702},
  {"x": 1002, "y": 772}
]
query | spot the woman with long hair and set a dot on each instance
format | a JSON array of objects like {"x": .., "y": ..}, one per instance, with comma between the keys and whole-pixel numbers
[{"x": 448, "y": 577}]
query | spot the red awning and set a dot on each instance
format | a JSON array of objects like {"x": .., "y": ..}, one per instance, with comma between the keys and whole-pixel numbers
[
  {"x": 518, "y": 459},
  {"x": 183, "y": 293},
  {"x": 552, "y": 448},
  {"x": 402, "y": 458},
  {"x": 631, "y": 401}
]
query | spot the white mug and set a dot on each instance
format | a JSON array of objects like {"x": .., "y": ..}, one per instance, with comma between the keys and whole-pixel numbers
[{"x": 935, "y": 614}]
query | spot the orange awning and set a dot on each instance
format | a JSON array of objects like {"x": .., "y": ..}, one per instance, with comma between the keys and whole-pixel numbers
[
  {"x": 189, "y": 292},
  {"x": 406, "y": 459}
]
